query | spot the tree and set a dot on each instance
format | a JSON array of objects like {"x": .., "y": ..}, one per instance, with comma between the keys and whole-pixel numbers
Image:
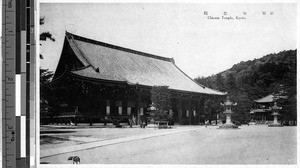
[
  {"x": 204, "y": 81},
  {"x": 161, "y": 100},
  {"x": 230, "y": 83},
  {"x": 47, "y": 96},
  {"x": 45, "y": 35},
  {"x": 212, "y": 109},
  {"x": 219, "y": 82},
  {"x": 251, "y": 80},
  {"x": 241, "y": 111},
  {"x": 48, "y": 100}
]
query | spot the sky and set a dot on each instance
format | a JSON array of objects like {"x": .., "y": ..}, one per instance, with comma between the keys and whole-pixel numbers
[{"x": 200, "y": 45}]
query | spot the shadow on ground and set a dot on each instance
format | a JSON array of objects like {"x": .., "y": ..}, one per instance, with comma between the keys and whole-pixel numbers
[
  {"x": 45, "y": 163},
  {"x": 45, "y": 139},
  {"x": 56, "y": 132}
]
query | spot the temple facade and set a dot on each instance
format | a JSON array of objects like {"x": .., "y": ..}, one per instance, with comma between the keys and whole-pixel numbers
[{"x": 100, "y": 82}]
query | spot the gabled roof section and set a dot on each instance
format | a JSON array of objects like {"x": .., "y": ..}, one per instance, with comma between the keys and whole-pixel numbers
[
  {"x": 270, "y": 98},
  {"x": 113, "y": 63},
  {"x": 259, "y": 111},
  {"x": 266, "y": 99}
]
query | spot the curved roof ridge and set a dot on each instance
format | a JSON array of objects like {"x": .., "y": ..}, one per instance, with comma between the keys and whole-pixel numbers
[
  {"x": 68, "y": 34},
  {"x": 266, "y": 99},
  {"x": 81, "y": 53},
  {"x": 269, "y": 98}
]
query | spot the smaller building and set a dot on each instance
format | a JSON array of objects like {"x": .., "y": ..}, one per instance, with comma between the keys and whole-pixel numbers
[{"x": 261, "y": 113}]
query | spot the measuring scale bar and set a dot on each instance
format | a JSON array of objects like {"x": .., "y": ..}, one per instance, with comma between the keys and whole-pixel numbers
[
  {"x": 15, "y": 85},
  {"x": 20, "y": 119},
  {"x": 8, "y": 85},
  {"x": 20, "y": 83}
]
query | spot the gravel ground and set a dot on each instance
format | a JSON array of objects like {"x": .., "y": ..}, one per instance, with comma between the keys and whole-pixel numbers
[
  {"x": 248, "y": 145},
  {"x": 79, "y": 136}
]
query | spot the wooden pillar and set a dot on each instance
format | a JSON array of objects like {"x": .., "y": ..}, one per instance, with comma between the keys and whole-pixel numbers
[
  {"x": 190, "y": 111},
  {"x": 138, "y": 106},
  {"x": 76, "y": 112},
  {"x": 179, "y": 110},
  {"x": 198, "y": 113},
  {"x": 124, "y": 106},
  {"x": 113, "y": 107},
  {"x": 202, "y": 100}
]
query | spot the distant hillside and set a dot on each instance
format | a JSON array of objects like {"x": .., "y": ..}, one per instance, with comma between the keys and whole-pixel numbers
[{"x": 250, "y": 80}]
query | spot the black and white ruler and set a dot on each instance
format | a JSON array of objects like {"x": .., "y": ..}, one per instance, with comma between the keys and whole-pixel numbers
[{"x": 18, "y": 87}]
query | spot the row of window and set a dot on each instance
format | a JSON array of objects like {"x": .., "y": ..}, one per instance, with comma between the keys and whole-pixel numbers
[{"x": 120, "y": 110}]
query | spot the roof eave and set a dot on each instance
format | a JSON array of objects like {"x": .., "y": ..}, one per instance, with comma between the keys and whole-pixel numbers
[{"x": 136, "y": 84}]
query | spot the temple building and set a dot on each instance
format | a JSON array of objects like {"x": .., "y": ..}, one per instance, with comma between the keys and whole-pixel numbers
[
  {"x": 99, "y": 82},
  {"x": 261, "y": 114}
]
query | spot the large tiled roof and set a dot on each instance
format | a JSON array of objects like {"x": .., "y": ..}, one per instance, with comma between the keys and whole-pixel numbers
[{"x": 113, "y": 63}]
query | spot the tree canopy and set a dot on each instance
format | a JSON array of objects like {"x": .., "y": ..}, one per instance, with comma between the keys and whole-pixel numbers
[
  {"x": 48, "y": 98},
  {"x": 161, "y": 100},
  {"x": 251, "y": 80}
]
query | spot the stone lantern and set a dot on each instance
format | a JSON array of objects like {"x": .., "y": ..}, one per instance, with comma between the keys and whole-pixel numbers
[
  {"x": 275, "y": 112},
  {"x": 252, "y": 114},
  {"x": 228, "y": 105}
]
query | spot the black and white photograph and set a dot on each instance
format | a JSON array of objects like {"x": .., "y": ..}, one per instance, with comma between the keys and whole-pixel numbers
[{"x": 167, "y": 83}]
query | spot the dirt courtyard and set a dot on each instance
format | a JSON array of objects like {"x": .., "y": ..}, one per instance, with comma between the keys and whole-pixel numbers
[{"x": 254, "y": 144}]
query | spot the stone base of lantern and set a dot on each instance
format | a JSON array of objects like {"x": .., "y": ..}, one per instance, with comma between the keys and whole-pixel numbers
[
  {"x": 228, "y": 126},
  {"x": 275, "y": 125},
  {"x": 252, "y": 123},
  {"x": 275, "y": 122}
]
